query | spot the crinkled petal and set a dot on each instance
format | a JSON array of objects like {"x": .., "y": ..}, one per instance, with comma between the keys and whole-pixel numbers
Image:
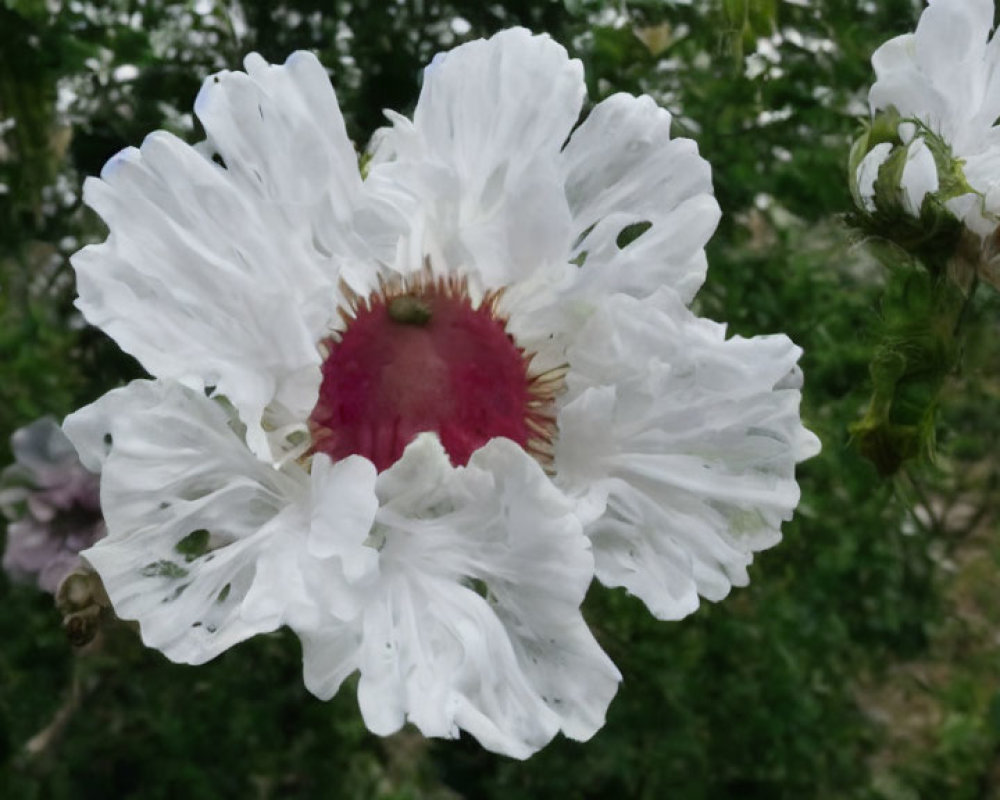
[
  {"x": 537, "y": 587},
  {"x": 626, "y": 176},
  {"x": 280, "y": 132},
  {"x": 685, "y": 443},
  {"x": 341, "y": 568},
  {"x": 225, "y": 274},
  {"x": 478, "y": 162},
  {"x": 642, "y": 209},
  {"x": 473, "y": 622},
  {"x": 435, "y": 653},
  {"x": 344, "y": 503},
  {"x": 330, "y": 653},
  {"x": 198, "y": 528},
  {"x": 513, "y": 93}
]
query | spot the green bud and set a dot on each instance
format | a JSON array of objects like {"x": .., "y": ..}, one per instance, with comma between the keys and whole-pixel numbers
[
  {"x": 409, "y": 310},
  {"x": 885, "y": 127},
  {"x": 82, "y": 627},
  {"x": 81, "y": 589},
  {"x": 84, "y": 604}
]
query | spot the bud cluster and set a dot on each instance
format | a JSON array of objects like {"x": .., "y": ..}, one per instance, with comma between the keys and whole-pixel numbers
[{"x": 922, "y": 174}]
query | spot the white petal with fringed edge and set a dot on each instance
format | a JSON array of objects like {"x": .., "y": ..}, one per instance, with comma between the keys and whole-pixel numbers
[
  {"x": 205, "y": 542},
  {"x": 223, "y": 262},
  {"x": 471, "y": 619},
  {"x": 497, "y": 195},
  {"x": 681, "y": 446}
]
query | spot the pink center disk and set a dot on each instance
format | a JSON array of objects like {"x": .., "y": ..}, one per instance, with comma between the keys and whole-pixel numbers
[{"x": 394, "y": 375}]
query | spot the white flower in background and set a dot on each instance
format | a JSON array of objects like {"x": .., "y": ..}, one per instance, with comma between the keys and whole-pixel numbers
[
  {"x": 405, "y": 416},
  {"x": 944, "y": 80}
]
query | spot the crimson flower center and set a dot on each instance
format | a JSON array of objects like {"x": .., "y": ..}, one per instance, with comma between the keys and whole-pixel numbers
[{"x": 423, "y": 358}]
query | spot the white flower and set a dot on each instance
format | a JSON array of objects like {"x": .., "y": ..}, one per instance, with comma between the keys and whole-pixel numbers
[
  {"x": 946, "y": 76},
  {"x": 393, "y": 367}
]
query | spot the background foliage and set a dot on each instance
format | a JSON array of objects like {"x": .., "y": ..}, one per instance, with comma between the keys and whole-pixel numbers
[{"x": 862, "y": 662}]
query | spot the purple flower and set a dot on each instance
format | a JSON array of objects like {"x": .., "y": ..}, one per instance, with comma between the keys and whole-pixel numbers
[{"x": 52, "y": 504}]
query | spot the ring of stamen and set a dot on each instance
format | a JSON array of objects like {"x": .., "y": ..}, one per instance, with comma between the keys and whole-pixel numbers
[{"x": 416, "y": 355}]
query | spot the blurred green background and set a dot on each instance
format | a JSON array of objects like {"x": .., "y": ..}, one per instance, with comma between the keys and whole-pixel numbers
[{"x": 864, "y": 659}]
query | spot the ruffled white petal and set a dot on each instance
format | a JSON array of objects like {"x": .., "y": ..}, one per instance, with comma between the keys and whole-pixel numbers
[
  {"x": 900, "y": 83},
  {"x": 494, "y": 191},
  {"x": 340, "y": 569},
  {"x": 280, "y": 133},
  {"x": 642, "y": 211},
  {"x": 681, "y": 446},
  {"x": 344, "y": 500},
  {"x": 472, "y": 618},
  {"x": 623, "y": 174},
  {"x": 203, "y": 538},
  {"x": 479, "y": 160},
  {"x": 225, "y": 274},
  {"x": 330, "y": 653},
  {"x": 513, "y": 93},
  {"x": 536, "y": 585}
]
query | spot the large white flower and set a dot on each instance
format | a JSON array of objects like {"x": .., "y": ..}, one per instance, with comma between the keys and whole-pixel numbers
[
  {"x": 945, "y": 76},
  {"x": 406, "y": 415}
]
